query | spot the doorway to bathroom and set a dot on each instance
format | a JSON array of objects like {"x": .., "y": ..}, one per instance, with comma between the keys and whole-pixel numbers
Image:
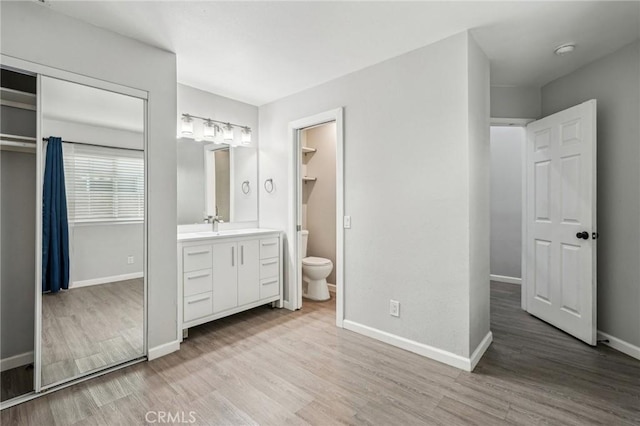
[{"x": 317, "y": 211}]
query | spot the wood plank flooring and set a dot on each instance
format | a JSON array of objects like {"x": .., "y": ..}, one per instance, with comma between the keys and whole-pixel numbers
[
  {"x": 92, "y": 327},
  {"x": 275, "y": 367}
]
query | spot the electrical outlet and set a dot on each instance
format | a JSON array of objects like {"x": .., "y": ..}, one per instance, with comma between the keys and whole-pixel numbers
[
  {"x": 394, "y": 308},
  {"x": 347, "y": 222},
  {"x": 130, "y": 260}
]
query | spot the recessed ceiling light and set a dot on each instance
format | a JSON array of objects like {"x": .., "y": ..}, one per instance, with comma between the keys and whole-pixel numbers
[{"x": 564, "y": 49}]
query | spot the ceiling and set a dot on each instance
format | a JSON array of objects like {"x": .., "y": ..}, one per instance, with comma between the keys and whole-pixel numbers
[{"x": 257, "y": 52}]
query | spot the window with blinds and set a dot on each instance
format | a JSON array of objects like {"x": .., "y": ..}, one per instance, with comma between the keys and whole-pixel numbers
[{"x": 104, "y": 184}]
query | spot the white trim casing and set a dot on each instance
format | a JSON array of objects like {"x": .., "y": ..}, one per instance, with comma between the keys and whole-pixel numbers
[
  {"x": 511, "y": 122},
  {"x": 619, "y": 345},
  {"x": 293, "y": 237},
  {"x": 440, "y": 355},
  {"x": 16, "y": 361},
  {"x": 106, "y": 280},
  {"x": 505, "y": 279},
  {"x": 164, "y": 349}
]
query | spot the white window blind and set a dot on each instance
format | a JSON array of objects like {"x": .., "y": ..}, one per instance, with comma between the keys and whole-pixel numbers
[{"x": 103, "y": 184}]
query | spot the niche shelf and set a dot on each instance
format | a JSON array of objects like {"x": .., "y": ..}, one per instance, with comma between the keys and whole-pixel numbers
[{"x": 307, "y": 150}]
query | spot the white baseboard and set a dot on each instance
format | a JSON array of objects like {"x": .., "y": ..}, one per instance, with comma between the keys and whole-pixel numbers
[
  {"x": 105, "y": 280},
  {"x": 16, "y": 361},
  {"x": 505, "y": 279},
  {"x": 620, "y": 345},
  {"x": 163, "y": 350},
  {"x": 449, "y": 358},
  {"x": 480, "y": 350},
  {"x": 332, "y": 287}
]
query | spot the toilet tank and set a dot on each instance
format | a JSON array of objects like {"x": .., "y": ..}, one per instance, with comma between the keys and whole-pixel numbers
[{"x": 304, "y": 238}]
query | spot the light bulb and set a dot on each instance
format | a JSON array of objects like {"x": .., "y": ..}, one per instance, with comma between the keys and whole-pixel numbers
[
  {"x": 246, "y": 136},
  {"x": 227, "y": 134},
  {"x": 187, "y": 125},
  {"x": 209, "y": 130}
]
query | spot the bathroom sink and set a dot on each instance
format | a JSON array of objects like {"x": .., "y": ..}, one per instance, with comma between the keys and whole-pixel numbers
[{"x": 224, "y": 233}]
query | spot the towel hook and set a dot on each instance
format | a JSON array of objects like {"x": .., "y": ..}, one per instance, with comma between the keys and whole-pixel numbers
[
  {"x": 268, "y": 185},
  {"x": 246, "y": 188}
]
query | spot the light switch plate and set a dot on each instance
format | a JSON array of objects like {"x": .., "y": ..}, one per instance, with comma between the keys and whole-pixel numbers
[{"x": 347, "y": 222}]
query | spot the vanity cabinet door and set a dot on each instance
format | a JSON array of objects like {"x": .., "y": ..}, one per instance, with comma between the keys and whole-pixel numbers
[
  {"x": 225, "y": 276},
  {"x": 248, "y": 272}
]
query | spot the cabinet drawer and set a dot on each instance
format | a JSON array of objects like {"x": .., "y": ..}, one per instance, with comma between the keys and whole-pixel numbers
[
  {"x": 196, "y": 258},
  {"x": 198, "y": 306},
  {"x": 269, "y": 268},
  {"x": 269, "y": 287},
  {"x": 197, "y": 282},
  {"x": 269, "y": 247}
]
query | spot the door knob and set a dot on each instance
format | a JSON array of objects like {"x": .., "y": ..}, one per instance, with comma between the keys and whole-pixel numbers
[{"x": 584, "y": 235}]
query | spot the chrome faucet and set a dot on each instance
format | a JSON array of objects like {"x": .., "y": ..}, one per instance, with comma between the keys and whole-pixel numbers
[{"x": 216, "y": 220}]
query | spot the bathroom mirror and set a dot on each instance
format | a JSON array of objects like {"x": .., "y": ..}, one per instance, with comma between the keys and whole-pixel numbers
[
  {"x": 216, "y": 180},
  {"x": 93, "y": 163}
]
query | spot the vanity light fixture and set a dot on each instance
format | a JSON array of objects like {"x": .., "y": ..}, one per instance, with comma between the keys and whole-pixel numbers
[
  {"x": 211, "y": 130},
  {"x": 227, "y": 133},
  {"x": 246, "y": 136},
  {"x": 187, "y": 125}
]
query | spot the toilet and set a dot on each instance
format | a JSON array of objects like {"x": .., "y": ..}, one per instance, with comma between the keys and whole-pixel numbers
[{"x": 315, "y": 271}]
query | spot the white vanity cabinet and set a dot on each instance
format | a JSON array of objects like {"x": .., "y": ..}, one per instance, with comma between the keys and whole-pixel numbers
[{"x": 224, "y": 273}]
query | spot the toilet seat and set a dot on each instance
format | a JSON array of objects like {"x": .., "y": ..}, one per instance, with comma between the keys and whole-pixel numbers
[{"x": 315, "y": 261}]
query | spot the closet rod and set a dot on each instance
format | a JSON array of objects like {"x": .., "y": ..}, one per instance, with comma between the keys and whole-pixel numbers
[{"x": 99, "y": 146}]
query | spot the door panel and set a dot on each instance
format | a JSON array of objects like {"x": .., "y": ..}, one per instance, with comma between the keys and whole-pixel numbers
[
  {"x": 249, "y": 272},
  {"x": 225, "y": 276},
  {"x": 560, "y": 204}
]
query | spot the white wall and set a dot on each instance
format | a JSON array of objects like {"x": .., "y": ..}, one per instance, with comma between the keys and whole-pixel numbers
[
  {"x": 321, "y": 194},
  {"x": 507, "y": 148},
  {"x": 32, "y": 32},
  {"x": 191, "y": 156},
  {"x": 615, "y": 82},
  {"x": 479, "y": 170},
  {"x": 407, "y": 188},
  {"x": 100, "y": 251},
  {"x": 515, "y": 102}
]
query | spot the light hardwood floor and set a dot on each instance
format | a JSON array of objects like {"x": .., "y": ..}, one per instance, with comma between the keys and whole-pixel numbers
[
  {"x": 276, "y": 367},
  {"x": 88, "y": 328}
]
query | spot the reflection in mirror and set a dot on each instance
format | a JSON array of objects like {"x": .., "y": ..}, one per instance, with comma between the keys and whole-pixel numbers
[
  {"x": 217, "y": 183},
  {"x": 93, "y": 230},
  {"x": 214, "y": 176}
]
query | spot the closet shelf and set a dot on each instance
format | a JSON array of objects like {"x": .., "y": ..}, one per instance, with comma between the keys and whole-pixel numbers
[
  {"x": 17, "y": 99},
  {"x": 307, "y": 150},
  {"x": 309, "y": 179},
  {"x": 17, "y": 143}
]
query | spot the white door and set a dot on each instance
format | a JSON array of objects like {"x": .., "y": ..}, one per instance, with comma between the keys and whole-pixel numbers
[{"x": 560, "y": 251}]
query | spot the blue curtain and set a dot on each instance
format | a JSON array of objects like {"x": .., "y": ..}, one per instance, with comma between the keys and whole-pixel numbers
[{"x": 55, "y": 227}]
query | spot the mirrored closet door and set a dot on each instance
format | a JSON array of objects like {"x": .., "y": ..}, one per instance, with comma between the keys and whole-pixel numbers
[{"x": 92, "y": 295}]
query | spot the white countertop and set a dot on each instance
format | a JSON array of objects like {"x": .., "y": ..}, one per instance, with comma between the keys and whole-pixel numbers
[{"x": 194, "y": 236}]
